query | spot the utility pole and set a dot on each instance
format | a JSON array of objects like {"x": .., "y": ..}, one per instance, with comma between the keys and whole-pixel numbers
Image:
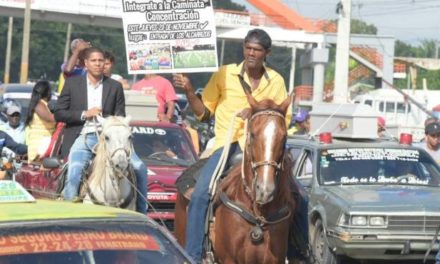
[
  {"x": 24, "y": 69},
  {"x": 8, "y": 51},
  {"x": 340, "y": 92},
  {"x": 67, "y": 47}
]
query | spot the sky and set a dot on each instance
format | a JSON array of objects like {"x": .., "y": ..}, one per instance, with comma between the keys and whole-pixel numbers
[{"x": 407, "y": 20}]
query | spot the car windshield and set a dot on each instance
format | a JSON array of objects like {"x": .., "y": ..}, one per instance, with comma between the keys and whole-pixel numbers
[
  {"x": 377, "y": 166},
  {"x": 106, "y": 243},
  {"x": 163, "y": 146}
]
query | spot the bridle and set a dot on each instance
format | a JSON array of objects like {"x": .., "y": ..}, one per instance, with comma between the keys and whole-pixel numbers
[
  {"x": 110, "y": 157},
  {"x": 256, "y": 164},
  {"x": 127, "y": 152},
  {"x": 258, "y": 221},
  {"x": 117, "y": 176}
]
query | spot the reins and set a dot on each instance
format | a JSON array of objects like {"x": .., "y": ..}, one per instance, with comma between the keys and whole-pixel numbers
[
  {"x": 95, "y": 124},
  {"x": 254, "y": 165},
  {"x": 123, "y": 203},
  {"x": 282, "y": 214},
  {"x": 259, "y": 221},
  {"x": 116, "y": 174}
]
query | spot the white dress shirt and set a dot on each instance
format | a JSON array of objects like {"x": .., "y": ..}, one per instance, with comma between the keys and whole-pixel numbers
[{"x": 94, "y": 99}]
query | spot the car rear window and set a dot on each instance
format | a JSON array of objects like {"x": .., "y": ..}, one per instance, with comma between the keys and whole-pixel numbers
[
  {"x": 377, "y": 166},
  {"x": 87, "y": 243}
]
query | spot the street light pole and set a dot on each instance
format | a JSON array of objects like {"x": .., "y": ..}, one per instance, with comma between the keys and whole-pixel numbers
[
  {"x": 67, "y": 47},
  {"x": 24, "y": 69},
  {"x": 340, "y": 92},
  {"x": 8, "y": 51}
]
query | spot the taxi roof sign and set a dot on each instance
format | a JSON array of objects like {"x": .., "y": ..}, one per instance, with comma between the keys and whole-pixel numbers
[{"x": 12, "y": 192}]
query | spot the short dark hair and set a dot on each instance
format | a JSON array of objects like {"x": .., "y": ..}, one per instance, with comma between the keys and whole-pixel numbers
[
  {"x": 109, "y": 56},
  {"x": 259, "y": 36},
  {"x": 430, "y": 120},
  {"x": 89, "y": 51}
]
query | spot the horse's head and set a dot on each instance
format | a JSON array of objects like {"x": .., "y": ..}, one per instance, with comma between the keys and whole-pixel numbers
[
  {"x": 265, "y": 145},
  {"x": 116, "y": 141}
]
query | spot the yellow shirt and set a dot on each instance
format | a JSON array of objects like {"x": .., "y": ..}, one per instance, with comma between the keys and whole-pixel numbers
[
  {"x": 224, "y": 96},
  {"x": 38, "y": 134}
]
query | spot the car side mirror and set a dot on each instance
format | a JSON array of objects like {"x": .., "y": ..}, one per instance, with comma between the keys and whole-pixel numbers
[{"x": 51, "y": 163}]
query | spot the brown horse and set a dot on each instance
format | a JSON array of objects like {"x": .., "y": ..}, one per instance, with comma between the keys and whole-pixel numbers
[{"x": 253, "y": 205}]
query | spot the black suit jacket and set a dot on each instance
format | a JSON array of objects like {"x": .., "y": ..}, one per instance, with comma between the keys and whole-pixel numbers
[{"x": 73, "y": 101}]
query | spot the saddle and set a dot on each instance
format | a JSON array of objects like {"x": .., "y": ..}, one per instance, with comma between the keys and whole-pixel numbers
[
  {"x": 189, "y": 177},
  {"x": 188, "y": 180}
]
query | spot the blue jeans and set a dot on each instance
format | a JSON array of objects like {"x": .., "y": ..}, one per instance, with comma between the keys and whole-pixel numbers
[
  {"x": 301, "y": 221},
  {"x": 81, "y": 153},
  {"x": 198, "y": 206},
  {"x": 437, "y": 257}
]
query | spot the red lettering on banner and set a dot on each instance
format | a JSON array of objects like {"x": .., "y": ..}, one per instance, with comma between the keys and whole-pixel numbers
[{"x": 66, "y": 242}]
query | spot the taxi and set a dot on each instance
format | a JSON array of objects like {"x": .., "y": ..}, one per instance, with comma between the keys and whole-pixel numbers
[
  {"x": 369, "y": 197},
  {"x": 47, "y": 231}
]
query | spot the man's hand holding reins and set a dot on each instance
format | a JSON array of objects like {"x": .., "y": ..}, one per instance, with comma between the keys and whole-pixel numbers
[
  {"x": 245, "y": 113},
  {"x": 92, "y": 112}
]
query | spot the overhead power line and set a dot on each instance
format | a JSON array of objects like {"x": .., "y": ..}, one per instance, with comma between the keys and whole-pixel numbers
[{"x": 405, "y": 10}]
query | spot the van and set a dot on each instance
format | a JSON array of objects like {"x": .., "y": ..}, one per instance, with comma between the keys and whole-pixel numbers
[{"x": 400, "y": 114}]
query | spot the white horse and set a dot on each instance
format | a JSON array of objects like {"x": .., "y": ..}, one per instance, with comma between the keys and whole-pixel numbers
[{"x": 112, "y": 181}]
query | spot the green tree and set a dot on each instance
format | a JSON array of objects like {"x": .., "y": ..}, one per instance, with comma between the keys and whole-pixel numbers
[
  {"x": 403, "y": 49},
  {"x": 426, "y": 49},
  {"x": 361, "y": 27}
]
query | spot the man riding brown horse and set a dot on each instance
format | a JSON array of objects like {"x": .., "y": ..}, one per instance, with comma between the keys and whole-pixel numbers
[{"x": 222, "y": 97}]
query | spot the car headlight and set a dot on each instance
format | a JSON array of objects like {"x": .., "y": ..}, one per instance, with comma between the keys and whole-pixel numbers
[
  {"x": 377, "y": 221},
  {"x": 358, "y": 220}
]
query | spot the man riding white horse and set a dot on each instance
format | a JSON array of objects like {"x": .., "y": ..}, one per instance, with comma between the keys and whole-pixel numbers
[{"x": 82, "y": 99}]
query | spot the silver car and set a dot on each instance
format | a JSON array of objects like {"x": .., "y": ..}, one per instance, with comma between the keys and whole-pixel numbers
[{"x": 368, "y": 199}]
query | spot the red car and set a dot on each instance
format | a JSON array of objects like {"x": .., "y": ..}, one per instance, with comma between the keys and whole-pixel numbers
[{"x": 166, "y": 149}]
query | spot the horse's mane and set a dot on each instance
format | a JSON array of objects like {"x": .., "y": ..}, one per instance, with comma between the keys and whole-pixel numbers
[{"x": 100, "y": 166}]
